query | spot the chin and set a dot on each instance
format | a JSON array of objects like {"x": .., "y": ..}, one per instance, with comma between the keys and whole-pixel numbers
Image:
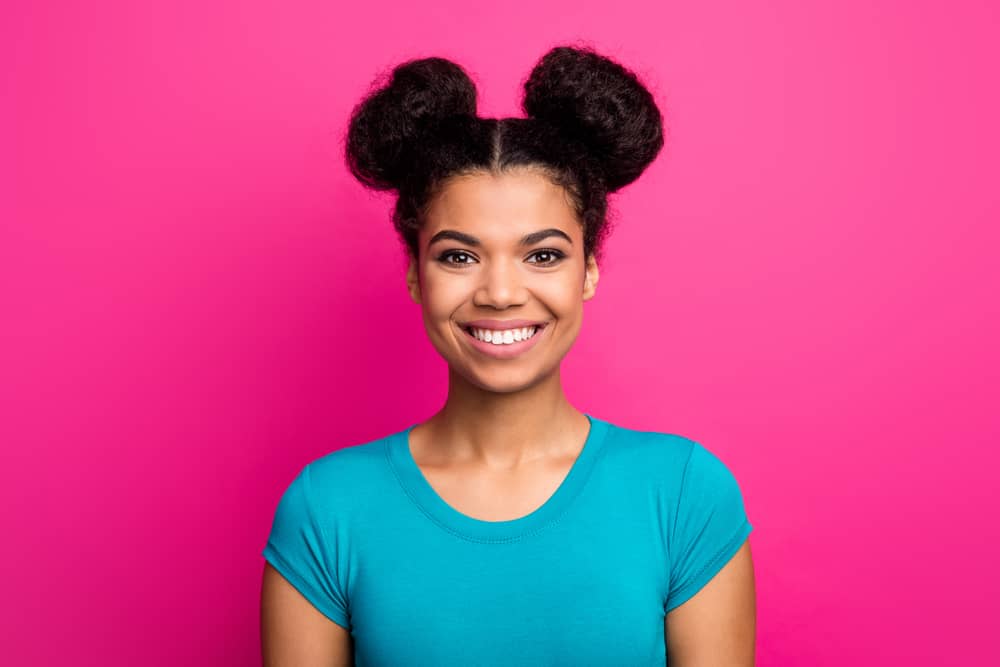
[{"x": 500, "y": 381}]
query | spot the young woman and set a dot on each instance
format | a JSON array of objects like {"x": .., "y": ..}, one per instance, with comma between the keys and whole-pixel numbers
[{"x": 509, "y": 528}]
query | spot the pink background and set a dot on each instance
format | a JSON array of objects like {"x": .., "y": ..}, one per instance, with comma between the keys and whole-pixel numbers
[{"x": 197, "y": 299}]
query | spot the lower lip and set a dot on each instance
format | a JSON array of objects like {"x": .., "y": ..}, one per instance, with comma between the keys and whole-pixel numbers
[{"x": 503, "y": 351}]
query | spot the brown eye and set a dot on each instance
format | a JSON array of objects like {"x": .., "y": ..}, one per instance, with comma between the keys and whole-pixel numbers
[
  {"x": 554, "y": 257},
  {"x": 443, "y": 258}
]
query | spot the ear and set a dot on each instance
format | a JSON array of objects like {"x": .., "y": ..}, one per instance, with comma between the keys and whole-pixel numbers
[
  {"x": 413, "y": 279},
  {"x": 590, "y": 278}
]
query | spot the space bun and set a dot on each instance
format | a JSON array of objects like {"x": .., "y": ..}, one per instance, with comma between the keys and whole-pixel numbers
[
  {"x": 389, "y": 125},
  {"x": 591, "y": 128},
  {"x": 596, "y": 101}
]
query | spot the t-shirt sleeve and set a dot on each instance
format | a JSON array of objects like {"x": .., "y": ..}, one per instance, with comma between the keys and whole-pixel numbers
[
  {"x": 710, "y": 525},
  {"x": 297, "y": 547}
]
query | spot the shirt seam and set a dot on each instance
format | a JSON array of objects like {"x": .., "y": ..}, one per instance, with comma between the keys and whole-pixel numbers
[
  {"x": 672, "y": 532},
  {"x": 327, "y": 543},
  {"x": 680, "y": 492}
]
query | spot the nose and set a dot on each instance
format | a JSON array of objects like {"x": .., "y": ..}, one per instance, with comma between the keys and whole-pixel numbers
[{"x": 501, "y": 286}]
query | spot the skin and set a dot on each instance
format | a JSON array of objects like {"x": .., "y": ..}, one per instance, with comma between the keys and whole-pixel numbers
[
  {"x": 501, "y": 415},
  {"x": 294, "y": 633},
  {"x": 717, "y": 626},
  {"x": 507, "y": 436}
]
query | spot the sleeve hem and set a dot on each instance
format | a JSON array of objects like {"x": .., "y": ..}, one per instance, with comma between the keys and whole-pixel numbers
[
  {"x": 710, "y": 569},
  {"x": 303, "y": 587}
]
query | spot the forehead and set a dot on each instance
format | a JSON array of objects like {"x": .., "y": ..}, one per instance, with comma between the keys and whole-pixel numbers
[{"x": 501, "y": 206}]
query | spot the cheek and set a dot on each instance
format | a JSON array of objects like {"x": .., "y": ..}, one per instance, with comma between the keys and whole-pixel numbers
[
  {"x": 442, "y": 295},
  {"x": 564, "y": 297}
]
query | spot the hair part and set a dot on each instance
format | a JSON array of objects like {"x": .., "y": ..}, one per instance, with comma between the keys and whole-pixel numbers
[{"x": 591, "y": 128}]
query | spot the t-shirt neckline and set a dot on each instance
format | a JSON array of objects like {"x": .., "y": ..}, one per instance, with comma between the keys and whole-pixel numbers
[{"x": 434, "y": 506}]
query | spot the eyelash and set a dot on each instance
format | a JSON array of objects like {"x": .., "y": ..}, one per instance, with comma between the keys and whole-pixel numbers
[{"x": 559, "y": 256}]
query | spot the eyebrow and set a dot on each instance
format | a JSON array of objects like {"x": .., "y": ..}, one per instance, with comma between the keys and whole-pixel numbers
[{"x": 468, "y": 239}]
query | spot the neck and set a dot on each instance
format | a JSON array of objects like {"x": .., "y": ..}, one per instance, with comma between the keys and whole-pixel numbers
[{"x": 504, "y": 430}]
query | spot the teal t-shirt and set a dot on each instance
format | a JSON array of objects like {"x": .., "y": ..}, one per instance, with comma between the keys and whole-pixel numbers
[{"x": 642, "y": 521}]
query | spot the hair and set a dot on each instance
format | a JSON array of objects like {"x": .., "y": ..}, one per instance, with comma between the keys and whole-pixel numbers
[{"x": 591, "y": 128}]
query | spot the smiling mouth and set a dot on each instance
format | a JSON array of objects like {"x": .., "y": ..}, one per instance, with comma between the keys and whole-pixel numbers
[{"x": 504, "y": 336}]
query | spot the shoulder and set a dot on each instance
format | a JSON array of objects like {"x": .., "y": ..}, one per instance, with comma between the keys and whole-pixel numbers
[
  {"x": 664, "y": 452},
  {"x": 348, "y": 475},
  {"x": 673, "y": 458},
  {"x": 351, "y": 457}
]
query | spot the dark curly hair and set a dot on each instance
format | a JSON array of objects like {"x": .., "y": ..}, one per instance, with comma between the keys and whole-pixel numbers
[{"x": 591, "y": 128}]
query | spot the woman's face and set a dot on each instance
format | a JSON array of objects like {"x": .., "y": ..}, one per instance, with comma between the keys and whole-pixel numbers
[{"x": 507, "y": 249}]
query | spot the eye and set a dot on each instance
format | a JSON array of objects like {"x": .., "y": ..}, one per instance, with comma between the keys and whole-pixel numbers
[
  {"x": 550, "y": 257},
  {"x": 554, "y": 254},
  {"x": 443, "y": 258}
]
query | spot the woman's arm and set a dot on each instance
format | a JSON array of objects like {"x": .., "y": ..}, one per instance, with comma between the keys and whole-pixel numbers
[
  {"x": 717, "y": 626},
  {"x": 294, "y": 633}
]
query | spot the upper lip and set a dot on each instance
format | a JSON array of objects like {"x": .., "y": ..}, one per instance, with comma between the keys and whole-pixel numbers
[{"x": 500, "y": 325}]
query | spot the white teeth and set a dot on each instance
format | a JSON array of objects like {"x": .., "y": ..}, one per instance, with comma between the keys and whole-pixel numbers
[{"x": 505, "y": 337}]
